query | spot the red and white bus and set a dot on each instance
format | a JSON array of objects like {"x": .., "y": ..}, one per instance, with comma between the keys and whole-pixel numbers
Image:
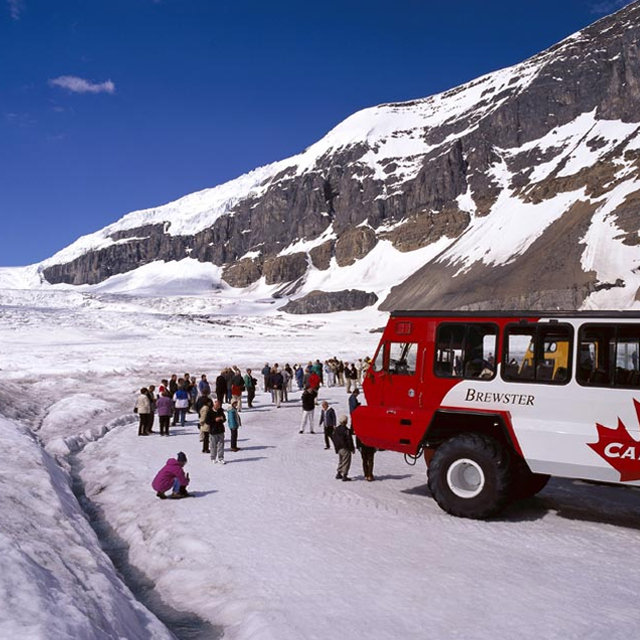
[{"x": 500, "y": 401}]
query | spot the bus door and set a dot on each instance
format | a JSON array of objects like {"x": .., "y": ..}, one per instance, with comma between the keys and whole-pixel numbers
[
  {"x": 394, "y": 387},
  {"x": 394, "y": 377}
]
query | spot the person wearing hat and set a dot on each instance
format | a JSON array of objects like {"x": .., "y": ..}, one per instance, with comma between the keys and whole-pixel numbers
[
  {"x": 173, "y": 476},
  {"x": 343, "y": 443}
]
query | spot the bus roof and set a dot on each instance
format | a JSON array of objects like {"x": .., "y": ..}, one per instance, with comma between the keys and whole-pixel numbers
[{"x": 601, "y": 314}]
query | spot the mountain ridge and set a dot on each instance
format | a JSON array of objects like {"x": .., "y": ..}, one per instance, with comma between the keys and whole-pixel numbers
[{"x": 533, "y": 151}]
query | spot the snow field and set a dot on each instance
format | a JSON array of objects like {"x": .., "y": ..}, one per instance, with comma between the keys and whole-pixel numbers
[
  {"x": 274, "y": 547},
  {"x": 55, "y": 581}
]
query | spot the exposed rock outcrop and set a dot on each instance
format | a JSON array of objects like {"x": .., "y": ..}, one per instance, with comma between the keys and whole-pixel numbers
[
  {"x": 243, "y": 273},
  {"x": 548, "y": 275},
  {"x": 321, "y": 255},
  {"x": 354, "y": 244},
  {"x": 328, "y": 302},
  {"x": 285, "y": 268}
]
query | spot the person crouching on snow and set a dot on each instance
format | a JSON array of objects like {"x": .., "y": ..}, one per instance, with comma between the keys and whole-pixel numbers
[{"x": 172, "y": 476}]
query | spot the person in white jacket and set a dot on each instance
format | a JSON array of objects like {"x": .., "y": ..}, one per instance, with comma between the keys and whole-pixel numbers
[{"x": 143, "y": 409}]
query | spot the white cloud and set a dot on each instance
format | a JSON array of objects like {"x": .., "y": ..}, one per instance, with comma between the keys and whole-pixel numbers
[
  {"x": 80, "y": 85},
  {"x": 16, "y": 7},
  {"x": 19, "y": 119}
]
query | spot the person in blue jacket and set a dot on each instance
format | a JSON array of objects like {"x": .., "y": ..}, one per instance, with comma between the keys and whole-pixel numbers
[
  {"x": 354, "y": 403},
  {"x": 234, "y": 422},
  {"x": 300, "y": 377},
  {"x": 181, "y": 404}
]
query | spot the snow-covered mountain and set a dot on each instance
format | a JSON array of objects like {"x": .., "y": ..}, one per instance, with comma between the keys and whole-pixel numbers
[{"x": 517, "y": 189}]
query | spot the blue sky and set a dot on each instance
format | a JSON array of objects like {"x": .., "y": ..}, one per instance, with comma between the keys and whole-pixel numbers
[{"x": 107, "y": 106}]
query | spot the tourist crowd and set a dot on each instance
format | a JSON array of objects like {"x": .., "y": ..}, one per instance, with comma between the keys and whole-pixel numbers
[{"x": 176, "y": 397}]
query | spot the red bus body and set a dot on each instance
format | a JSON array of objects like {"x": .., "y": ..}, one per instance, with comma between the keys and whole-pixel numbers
[{"x": 553, "y": 407}]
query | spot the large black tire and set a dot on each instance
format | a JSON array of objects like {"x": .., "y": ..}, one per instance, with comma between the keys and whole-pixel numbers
[{"x": 469, "y": 476}]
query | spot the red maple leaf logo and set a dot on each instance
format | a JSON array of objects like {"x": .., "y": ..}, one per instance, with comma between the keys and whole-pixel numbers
[{"x": 619, "y": 449}]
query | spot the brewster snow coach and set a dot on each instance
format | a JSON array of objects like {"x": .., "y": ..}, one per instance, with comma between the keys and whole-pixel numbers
[{"x": 500, "y": 401}]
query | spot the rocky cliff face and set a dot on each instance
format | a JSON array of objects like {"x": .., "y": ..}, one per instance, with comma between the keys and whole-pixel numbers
[
  {"x": 329, "y": 301},
  {"x": 530, "y": 174}
]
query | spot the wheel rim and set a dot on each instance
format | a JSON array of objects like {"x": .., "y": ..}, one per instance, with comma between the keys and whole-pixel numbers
[{"x": 465, "y": 478}]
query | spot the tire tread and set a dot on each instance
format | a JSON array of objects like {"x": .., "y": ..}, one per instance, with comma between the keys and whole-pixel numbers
[{"x": 485, "y": 450}]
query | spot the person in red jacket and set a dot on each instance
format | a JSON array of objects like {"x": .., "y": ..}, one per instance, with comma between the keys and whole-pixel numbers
[
  {"x": 173, "y": 476},
  {"x": 314, "y": 381}
]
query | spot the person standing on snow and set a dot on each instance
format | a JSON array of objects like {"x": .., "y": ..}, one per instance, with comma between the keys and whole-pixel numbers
[
  {"x": 151, "y": 393},
  {"x": 250, "y": 385},
  {"x": 300, "y": 377},
  {"x": 228, "y": 374},
  {"x": 221, "y": 387},
  {"x": 173, "y": 383},
  {"x": 286, "y": 378},
  {"x": 351, "y": 376},
  {"x": 181, "y": 400},
  {"x": 266, "y": 373},
  {"x": 313, "y": 380},
  {"x": 172, "y": 476},
  {"x": 308, "y": 407},
  {"x": 237, "y": 387},
  {"x": 164, "y": 386},
  {"x": 368, "y": 454},
  {"x": 328, "y": 420},
  {"x": 328, "y": 374},
  {"x": 165, "y": 408},
  {"x": 216, "y": 420},
  {"x": 277, "y": 382},
  {"x": 343, "y": 443},
  {"x": 143, "y": 409},
  {"x": 354, "y": 403},
  {"x": 204, "y": 425},
  {"x": 316, "y": 367},
  {"x": 289, "y": 370},
  {"x": 234, "y": 422},
  {"x": 193, "y": 394},
  {"x": 204, "y": 388}
]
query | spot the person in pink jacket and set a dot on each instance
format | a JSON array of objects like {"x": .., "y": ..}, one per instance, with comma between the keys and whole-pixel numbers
[
  {"x": 172, "y": 476},
  {"x": 165, "y": 407}
]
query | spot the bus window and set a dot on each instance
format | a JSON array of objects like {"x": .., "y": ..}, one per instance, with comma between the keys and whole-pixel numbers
[
  {"x": 519, "y": 354},
  {"x": 627, "y": 351},
  {"x": 449, "y": 344},
  {"x": 378, "y": 363},
  {"x": 596, "y": 346},
  {"x": 537, "y": 353},
  {"x": 466, "y": 350},
  {"x": 402, "y": 358},
  {"x": 608, "y": 355}
]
